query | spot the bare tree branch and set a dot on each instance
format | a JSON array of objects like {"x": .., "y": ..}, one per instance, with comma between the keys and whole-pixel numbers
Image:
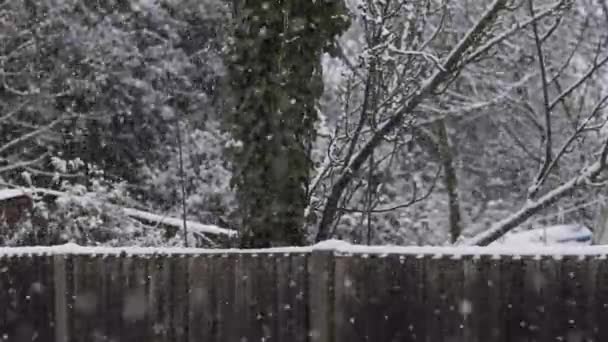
[
  {"x": 14, "y": 111},
  {"x": 31, "y": 135},
  {"x": 578, "y": 82},
  {"x": 23, "y": 164},
  {"x": 512, "y": 31},
  {"x": 548, "y": 139},
  {"x": 414, "y": 199},
  {"x": 450, "y": 64}
]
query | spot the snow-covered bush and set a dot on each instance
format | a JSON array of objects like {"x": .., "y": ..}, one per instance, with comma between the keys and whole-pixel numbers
[
  {"x": 209, "y": 198},
  {"x": 95, "y": 216}
]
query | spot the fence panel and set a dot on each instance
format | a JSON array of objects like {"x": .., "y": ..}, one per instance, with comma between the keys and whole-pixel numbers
[{"x": 317, "y": 296}]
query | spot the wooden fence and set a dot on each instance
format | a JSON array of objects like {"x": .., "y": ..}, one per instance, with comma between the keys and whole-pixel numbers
[{"x": 319, "y": 296}]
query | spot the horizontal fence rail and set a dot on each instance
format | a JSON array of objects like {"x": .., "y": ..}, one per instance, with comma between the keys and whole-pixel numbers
[{"x": 302, "y": 294}]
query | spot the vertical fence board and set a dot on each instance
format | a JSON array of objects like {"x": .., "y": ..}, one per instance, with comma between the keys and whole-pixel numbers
[
  {"x": 589, "y": 290},
  {"x": 100, "y": 279},
  {"x": 243, "y": 280},
  {"x": 321, "y": 293},
  {"x": 384, "y": 299},
  {"x": 214, "y": 268},
  {"x": 420, "y": 301},
  {"x": 156, "y": 300},
  {"x": 284, "y": 313},
  {"x": 468, "y": 307},
  {"x": 397, "y": 312},
  {"x": 434, "y": 273},
  {"x": 487, "y": 302},
  {"x": 47, "y": 297},
  {"x": 201, "y": 307},
  {"x": 370, "y": 292},
  {"x": 84, "y": 301},
  {"x": 300, "y": 294},
  {"x": 69, "y": 294},
  {"x": 357, "y": 306},
  {"x": 180, "y": 286},
  {"x": 601, "y": 300},
  {"x": 343, "y": 287},
  {"x": 9, "y": 310},
  {"x": 349, "y": 299},
  {"x": 4, "y": 292},
  {"x": 366, "y": 316},
  {"x": 551, "y": 306},
  {"x": 116, "y": 269},
  {"x": 224, "y": 274},
  {"x": 411, "y": 280},
  {"x": 453, "y": 303},
  {"x": 534, "y": 286},
  {"x": 574, "y": 272},
  {"x": 269, "y": 299},
  {"x": 135, "y": 308},
  {"x": 169, "y": 299},
  {"x": 513, "y": 309},
  {"x": 60, "y": 301},
  {"x": 290, "y": 300},
  {"x": 253, "y": 300}
]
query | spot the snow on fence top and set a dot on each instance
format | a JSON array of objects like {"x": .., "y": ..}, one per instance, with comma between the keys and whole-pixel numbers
[{"x": 337, "y": 247}]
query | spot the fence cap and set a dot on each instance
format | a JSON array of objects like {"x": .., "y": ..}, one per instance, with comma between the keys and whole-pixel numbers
[{"x": 338, "y": 247}]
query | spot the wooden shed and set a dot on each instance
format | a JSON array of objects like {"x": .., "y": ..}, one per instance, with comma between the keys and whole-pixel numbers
[{"x": 14, "y": 205}]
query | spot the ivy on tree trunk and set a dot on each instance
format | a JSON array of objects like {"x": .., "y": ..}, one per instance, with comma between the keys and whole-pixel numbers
[{"x": 275, "y": 74}]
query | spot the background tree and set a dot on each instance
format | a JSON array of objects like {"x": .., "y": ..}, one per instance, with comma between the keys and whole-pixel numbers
[{"x": 93, "y": 91}]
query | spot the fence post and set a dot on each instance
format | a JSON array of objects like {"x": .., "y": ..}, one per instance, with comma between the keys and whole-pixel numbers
[
  {"x": 321, "y": 296},
  {"x": 61, "y": 305}
]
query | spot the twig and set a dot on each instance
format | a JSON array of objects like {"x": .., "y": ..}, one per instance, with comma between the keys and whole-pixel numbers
[
  {"x": 411, "y": 202},
  {"x": 22, "y": 164},
  {"x": 547, "y": 110}
]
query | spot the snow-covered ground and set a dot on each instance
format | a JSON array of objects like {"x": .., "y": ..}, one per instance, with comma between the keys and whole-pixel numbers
[{"x": 567, "y": 234}]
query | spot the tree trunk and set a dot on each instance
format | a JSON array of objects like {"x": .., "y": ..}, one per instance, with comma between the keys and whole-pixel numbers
[{"x": 450, "y": 180}]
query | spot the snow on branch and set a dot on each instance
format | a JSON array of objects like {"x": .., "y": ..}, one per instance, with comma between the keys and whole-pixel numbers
[
  {"x": 137, "y": 214},
  {"x": 194, "y": 227}
]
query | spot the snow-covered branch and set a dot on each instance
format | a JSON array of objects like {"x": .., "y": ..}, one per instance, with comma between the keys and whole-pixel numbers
[
  {"x": 484, "y": 48},
  {"x": 532, "y": 207},
  {"x": 30, "y": 135},
  {"x": 22, "y": 164}
]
